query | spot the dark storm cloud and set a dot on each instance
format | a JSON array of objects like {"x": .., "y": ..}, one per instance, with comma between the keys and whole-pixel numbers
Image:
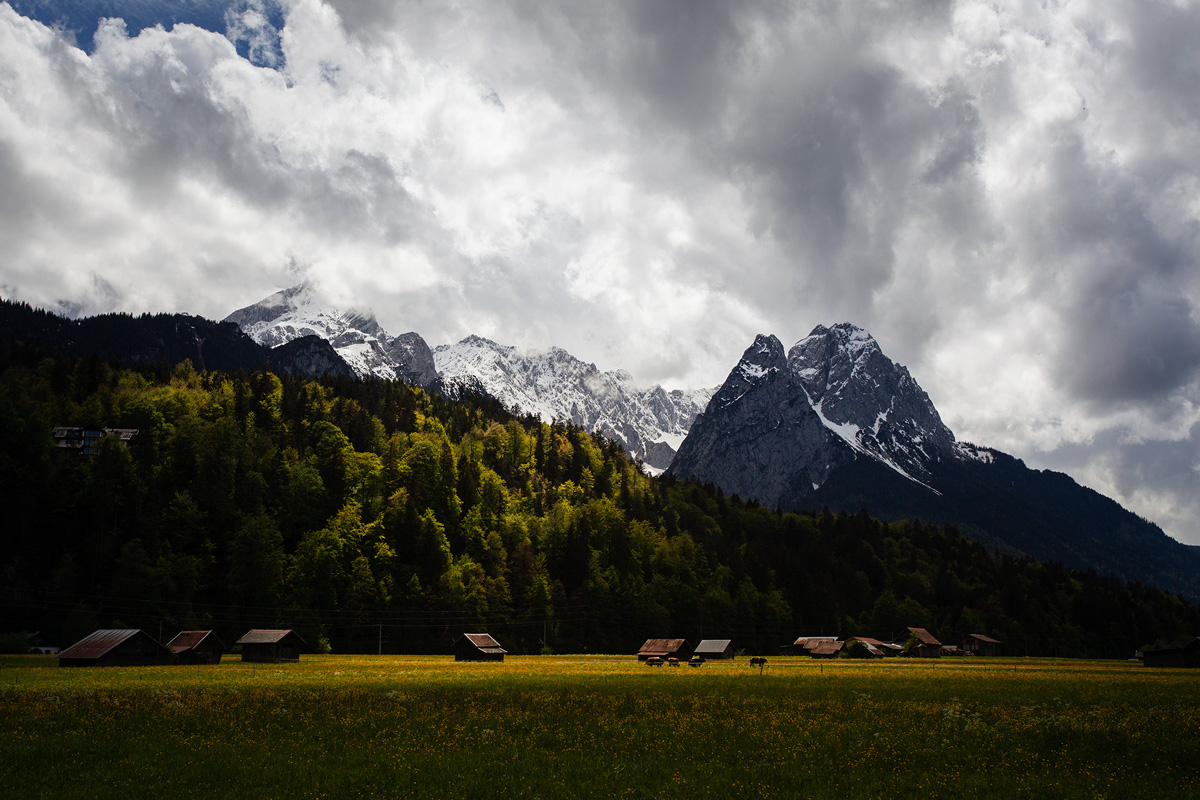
[{"x": 1129, "y": 329}]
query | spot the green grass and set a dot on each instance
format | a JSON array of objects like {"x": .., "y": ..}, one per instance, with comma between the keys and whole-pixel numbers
[{"x": 398, "y": 726}]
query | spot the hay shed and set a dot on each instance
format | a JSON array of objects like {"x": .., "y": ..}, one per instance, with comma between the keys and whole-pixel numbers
[
  {"x": 271, "y": 646},
  {"x": 114, "y": 647},
  {"x": 478, "y": 647},
  {"x": 197, "y": 647}
]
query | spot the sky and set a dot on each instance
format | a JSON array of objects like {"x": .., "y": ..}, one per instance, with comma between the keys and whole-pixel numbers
[{"x": 1005, "y": 194}]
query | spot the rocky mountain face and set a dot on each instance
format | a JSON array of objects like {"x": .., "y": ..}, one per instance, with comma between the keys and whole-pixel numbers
[
  {"x": 648, "y": 423},
  {"x": 760, "y": 437},
  {"x": 872, "y": 403},
  {"x": 781, "y": 424},
  {"x": 355, "y": 334},
  {"x": 308, "y": 356},
  {"x": 837, "y": 424}
]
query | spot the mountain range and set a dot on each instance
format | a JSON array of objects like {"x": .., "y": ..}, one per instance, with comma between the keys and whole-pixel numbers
[
  {"x": 649, "y": 423},
  {"x": 831, "y": 422}
]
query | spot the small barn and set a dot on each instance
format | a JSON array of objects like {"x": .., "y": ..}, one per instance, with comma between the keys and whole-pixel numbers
[
  {"x": 1187, "y": 655},
  {"x": 928, "y": 646},
  {"x": 716, "y": 650},
  {"x": 114, "y": 647},
  {"x": 271, "y": 646},
  {"x": 478, "y": 647},
  {"x": 197, "y": 647},
  {"x": 664, "y": 649},
  {"x": 980, "y": 645}
]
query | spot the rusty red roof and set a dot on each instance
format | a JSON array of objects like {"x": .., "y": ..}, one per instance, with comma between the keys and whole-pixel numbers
[
  {"x": 925, "y": 636},
  {"x": 811, "y": 641},
  {"x": 662, "y": 645},
  {"x": 186, "y": 640},
  {"x": 484, "y": 642},
  {"x": 97, "y": 644},
  {"x": 826, "y": 648},
  {"x": 267, "y": 637}
]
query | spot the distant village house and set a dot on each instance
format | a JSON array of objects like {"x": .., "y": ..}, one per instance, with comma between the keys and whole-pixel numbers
[
  {"x": 84, "y": 440},
  {"x": 926, "y": 646}
]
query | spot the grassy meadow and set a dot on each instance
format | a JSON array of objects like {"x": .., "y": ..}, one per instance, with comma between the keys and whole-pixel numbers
[{"x": 551, "y": 727}]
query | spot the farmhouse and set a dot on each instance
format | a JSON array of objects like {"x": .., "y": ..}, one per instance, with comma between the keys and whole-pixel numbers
[
  {"x": 715, "y": 649},
  {"x": 928, "y": 646},
  {"x": 1187, "y": 655},
  {"x": 478, "y": 647},
  {"x": 271, "y": 646},
  {"x": 197, "y": 647},
  {"x": 664, "y": 649},
  {"x": 980, "y": 645},
  {"x": 120, "y": 647}
]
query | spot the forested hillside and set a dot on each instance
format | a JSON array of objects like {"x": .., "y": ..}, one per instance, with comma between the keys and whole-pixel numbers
[{"x": 368, "y": 514}]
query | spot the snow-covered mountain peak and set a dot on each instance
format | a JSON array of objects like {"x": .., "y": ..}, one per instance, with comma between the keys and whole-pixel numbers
[
  {"x": 355, "y": 333},
  {"x": 868, "y": 400}
]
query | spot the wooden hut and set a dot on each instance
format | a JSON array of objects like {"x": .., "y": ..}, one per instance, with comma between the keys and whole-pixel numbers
[
  {"x": 715, "y": 650},
  {"x": 478, "y": 647},
  {"x": 271, "y": 646},
  {"x": 197, "y": 647},
  {"x": 120, "y": 647},
  {"x": 1187, "y": 655},
  {"x": 928, "y": 647},
  {"x": 980, "y": 645},
  {"x": 664, "y": 649}
]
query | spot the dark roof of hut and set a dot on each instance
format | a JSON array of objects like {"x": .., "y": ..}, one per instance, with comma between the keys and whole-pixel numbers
[
  {"x": 826, "y": 648},
  {"x": 267, "y": 637},
  {"x": 925, "y": 636},
  {"x": 186, "y": 640},
  {"x": 661, "y": 645},
  {"x": 979, "y": 637},
  {"x": 484, "y": 642},
  {"x": 97, "y": 644}
]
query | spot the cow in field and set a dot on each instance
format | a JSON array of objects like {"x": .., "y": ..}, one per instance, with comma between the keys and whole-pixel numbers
[
  {"x": 673, "y": 662},
  {"x": 760, "y": 662},
  {"x": 695, "y": 661},
  {"x": 654, "y": 661}
]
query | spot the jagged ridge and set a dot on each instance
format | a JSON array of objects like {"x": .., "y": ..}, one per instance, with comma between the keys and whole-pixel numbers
[{"x": 648, "y": 423}]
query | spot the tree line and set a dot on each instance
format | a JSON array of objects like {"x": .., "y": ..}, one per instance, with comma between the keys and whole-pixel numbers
[{"x": 368, "y": 514}]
